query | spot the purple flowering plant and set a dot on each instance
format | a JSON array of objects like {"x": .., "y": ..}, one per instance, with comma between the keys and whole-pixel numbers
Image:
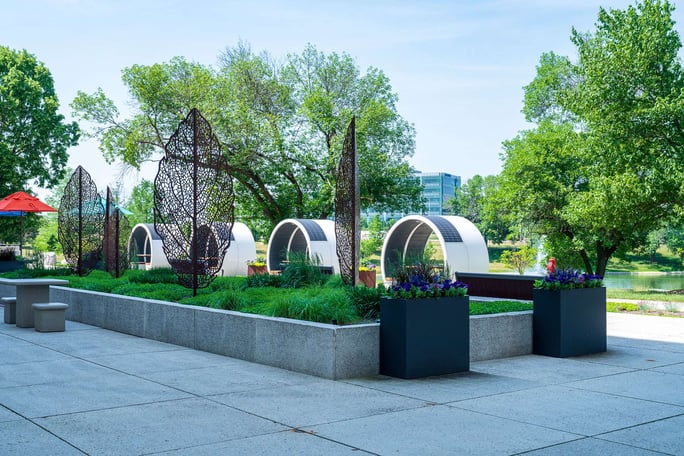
[
  {"x": 564, "y": 279},
  {"x": 420, "y": 281}
]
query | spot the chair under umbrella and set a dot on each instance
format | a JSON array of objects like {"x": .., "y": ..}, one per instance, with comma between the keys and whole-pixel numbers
[{"x": 20, "y": 203}]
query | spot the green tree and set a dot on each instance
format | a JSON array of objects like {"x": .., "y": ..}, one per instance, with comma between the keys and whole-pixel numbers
[
  {"x": 47, "y": 239},
  {"x": 476, "y": 201},
  {"x": 604, "y": 166},
  {"x": 674, "y": 239},
  {"x": 141, "y": 203},
  {"x": 281, "y": 126},
  {"x": 33, "y": 136},
  {"x": 373, "y": 243},
  {"x": 520, "y": 259}
]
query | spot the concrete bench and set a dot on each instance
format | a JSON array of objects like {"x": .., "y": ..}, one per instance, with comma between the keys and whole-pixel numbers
[
  {"x": 49, "y": 316},
  {"x": 10, "y": 304}
]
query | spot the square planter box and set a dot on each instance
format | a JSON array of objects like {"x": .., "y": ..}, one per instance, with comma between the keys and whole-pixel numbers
[
  {"x": 569, "y": 322},
  {"x": 424, "y": 337},
  {"x": 368, "y": 278},
  {"x": 253, "y": 270}
]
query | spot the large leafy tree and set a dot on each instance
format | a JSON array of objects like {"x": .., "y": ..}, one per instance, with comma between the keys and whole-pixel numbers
[
  {"x": 475, "y": 200},
  {"x": 141, "y": 203},
  {"x": 281, "y": 126},
  {"x": 605, "y": 164},
  {"x": 34, "y": 137}
]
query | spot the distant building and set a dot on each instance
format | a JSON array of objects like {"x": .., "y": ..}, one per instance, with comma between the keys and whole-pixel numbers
[{"x": 438, "y": 189}]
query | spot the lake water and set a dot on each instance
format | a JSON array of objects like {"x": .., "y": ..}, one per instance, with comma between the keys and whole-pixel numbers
[{"x": 664, "y": 281}]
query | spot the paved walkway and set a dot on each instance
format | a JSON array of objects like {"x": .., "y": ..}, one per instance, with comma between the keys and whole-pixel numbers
[{"x": 94, "y": 391}]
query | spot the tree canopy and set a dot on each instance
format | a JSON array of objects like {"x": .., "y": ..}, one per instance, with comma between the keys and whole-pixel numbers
[
  {"x": 33, "y": 136},
  {"x": 604, "y": 165},
  {"x": 476, "y": 201},
  {"x": 280, "y": 124}
]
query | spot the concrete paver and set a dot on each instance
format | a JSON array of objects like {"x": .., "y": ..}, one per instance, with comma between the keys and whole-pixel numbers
[{"x": 92, "y": 391}]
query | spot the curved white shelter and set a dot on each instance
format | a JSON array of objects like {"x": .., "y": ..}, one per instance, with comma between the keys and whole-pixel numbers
[
  {"x": 463, "y": 247},
  {"x": 146, "y": 251},
  {"x": 315, "y": 238},
  {"x": 242, "y": 249}
]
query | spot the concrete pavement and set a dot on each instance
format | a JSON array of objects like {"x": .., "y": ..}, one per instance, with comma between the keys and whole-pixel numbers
[{"x": 93, "y": 391}]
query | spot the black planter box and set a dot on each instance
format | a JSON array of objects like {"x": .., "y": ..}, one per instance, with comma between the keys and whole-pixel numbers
[
  {"x": 424, "y": 337},
  {"x": 569, "y": 322},
  {"x": 8, "y": 266}
]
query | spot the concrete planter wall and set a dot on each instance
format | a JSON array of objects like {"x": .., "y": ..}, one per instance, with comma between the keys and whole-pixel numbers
[{"x": 328, "y": 351}]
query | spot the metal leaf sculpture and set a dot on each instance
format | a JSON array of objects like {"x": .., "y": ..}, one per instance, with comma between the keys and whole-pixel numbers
[
  {"x": 347, "y": 209},
  {"x": 194, "y": 202},
  {"x": 115, "y": 237},
  {"x": 81, "y": 223}
]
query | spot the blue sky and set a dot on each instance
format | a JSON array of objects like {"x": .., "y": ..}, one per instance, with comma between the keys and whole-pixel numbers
[{"x": 458, "y": 66}]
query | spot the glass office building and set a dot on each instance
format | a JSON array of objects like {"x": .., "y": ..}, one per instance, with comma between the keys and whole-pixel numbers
[{"x": 438, "y": 189}]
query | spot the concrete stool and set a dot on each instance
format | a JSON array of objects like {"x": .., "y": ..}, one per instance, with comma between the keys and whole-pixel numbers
[
  {"x": 49, "y": 316},
  {"x": 10, "y": 304}
]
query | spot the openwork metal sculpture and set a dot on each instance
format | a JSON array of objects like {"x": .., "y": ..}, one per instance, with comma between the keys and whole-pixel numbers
[
  {"x": 194, "y": 202},
  {"x": 81, "y": 223},
  {"x": 116, "y": 233},
  {"x": 347, "y": 209}
]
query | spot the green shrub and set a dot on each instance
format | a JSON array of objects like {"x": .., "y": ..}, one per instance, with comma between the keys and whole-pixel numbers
[
  {"x": 334, "y": 281},
  {"x": 226, "y": 299},
  {"x": 168, "y": 292},
  {"x": 622, "y": 307},
  {"x": 314, "y": 304},
  {"x": 95, "y": 281},
  {"x": 264, "y": 280},
  {"x": 492, "y": 307},
  {"x": 154, "y": 275},
  {"x": 230, "y": 300},
  {"x": 302, "y": 271},
  {"x": 366, "y": 301},
  {"x": 228, "y": 283}
]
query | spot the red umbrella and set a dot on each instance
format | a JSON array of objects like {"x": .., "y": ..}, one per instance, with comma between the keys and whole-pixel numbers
[{"x": 23, "y": 202}]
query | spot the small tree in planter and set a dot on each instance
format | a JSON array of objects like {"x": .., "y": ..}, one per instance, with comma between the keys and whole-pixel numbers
[
  {"x": 569, "y": 314},
  {"x": 424, "y": 325}
]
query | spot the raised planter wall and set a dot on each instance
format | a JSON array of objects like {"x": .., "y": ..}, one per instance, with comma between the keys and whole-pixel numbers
[
  {"x": 500, "y": 335},
  {"x": 328, "y": 351}
]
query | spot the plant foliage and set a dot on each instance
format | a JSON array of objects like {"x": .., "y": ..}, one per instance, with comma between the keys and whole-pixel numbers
[
  {"x": 563, "y": 279},
  {"x": 421, "y": 281}
]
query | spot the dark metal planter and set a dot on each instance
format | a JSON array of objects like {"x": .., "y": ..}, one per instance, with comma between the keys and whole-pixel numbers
[
  {"x": 569, "y": 322},
  {"x": 424, "y": 337},
  {"x": 8, "y": 266}
]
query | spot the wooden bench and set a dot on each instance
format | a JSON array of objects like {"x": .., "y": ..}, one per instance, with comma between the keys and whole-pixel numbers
[
  {"x": 10, "y": 304},
  {"x": 49, "y": 316}
]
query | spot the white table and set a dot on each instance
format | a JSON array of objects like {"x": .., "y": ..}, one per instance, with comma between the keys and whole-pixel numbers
[{"x": 28, "y": 292}]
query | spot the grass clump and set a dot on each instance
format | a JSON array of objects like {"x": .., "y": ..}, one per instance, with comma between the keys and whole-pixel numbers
[
  {"x": 366, "y": 301},
  {"x": 264, "y": 280},
  {"x": 492, "y": 307},
  {"x": 154, "y": 275},
  {"x": 612, "y": 306},
  {"x": 302, "y": 271},
  {"x": 95, "y": 281},
  {"x": 323, "y": 305},
  {"x": 643, "y": 295},
  {"x": 169, "y": 292}
]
